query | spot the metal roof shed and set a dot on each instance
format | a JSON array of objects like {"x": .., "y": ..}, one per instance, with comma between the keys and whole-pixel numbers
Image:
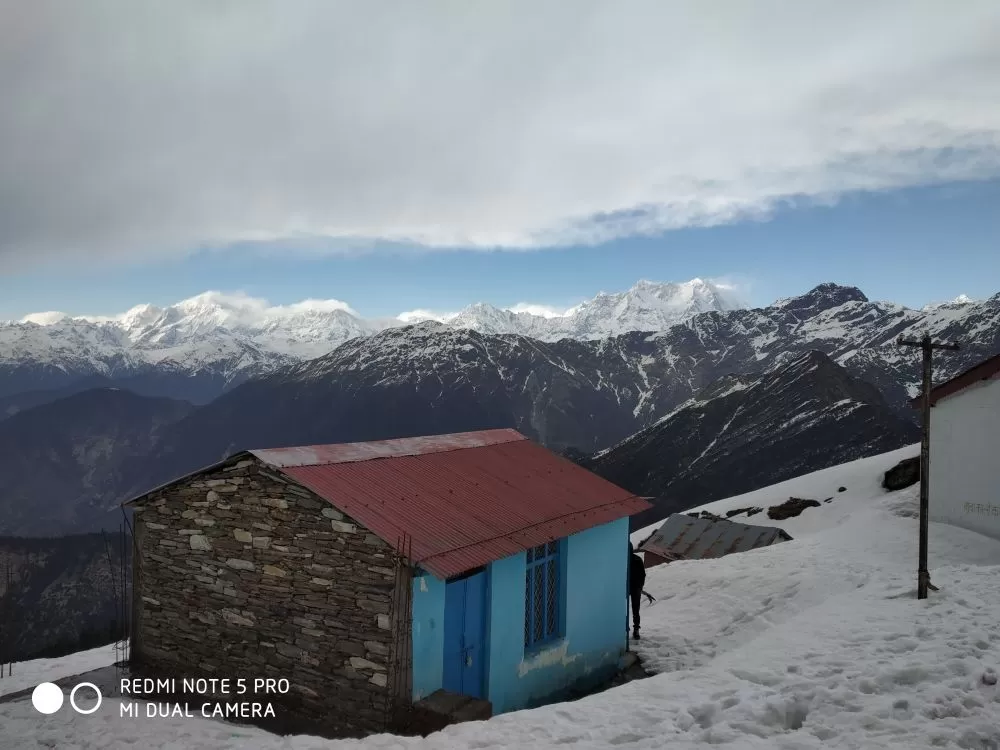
[{"x": 683, "y": 537}]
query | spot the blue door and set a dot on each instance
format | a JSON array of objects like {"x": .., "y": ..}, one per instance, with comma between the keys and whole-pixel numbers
[{"x": 465, "y": 635}]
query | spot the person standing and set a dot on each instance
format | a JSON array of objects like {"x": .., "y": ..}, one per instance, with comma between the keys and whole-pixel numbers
[{"x": 636, "y": 580}]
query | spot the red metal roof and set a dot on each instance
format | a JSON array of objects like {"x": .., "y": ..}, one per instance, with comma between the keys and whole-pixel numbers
[
  {"x": 463, "y": 500},
  {"x": 988, "y": 368}
]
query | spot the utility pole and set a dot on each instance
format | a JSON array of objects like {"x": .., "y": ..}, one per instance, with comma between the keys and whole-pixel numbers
[{"x": 927, "y": 346}]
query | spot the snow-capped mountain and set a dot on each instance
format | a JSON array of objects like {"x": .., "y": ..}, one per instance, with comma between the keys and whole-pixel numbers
[
  {"x": 205, "y": 345},
  {"x": 231, "y": 337},
  {"x": 647, "y": 306},
  {"x": 959, "y": 301}
]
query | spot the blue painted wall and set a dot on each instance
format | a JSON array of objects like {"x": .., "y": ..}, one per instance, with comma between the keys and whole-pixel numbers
[
  {"x": 428, "y": 635},
  {"x": 595, "y": 609},
  {"x": 594, "y": 640}
]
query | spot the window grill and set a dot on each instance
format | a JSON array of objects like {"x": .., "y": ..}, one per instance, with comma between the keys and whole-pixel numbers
[{"x": 542, "y": 588}]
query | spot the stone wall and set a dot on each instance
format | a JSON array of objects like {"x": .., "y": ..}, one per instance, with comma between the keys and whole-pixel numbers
[{"x": 243, "y": 574}]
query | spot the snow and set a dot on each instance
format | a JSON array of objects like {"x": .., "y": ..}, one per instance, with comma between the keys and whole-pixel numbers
[
  {"x": 27, "y": 674},
  {"x": 812, "y": 643}
]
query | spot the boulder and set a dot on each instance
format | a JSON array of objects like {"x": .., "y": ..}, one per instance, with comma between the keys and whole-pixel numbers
[
  {"x": 790, "y": 508},
  {"x": 902, "y": 475}
]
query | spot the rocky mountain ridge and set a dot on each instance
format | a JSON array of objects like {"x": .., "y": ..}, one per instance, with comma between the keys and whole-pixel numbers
[{"x": 747, "y": 431}]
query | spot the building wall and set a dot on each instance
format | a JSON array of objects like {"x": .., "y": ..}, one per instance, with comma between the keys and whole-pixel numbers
[
  {"x": 595, "y": 610},
  {"x": 241, "y": 574},
  {"x": 428, "y": 635},
  {"x": 964, "y": 476}
]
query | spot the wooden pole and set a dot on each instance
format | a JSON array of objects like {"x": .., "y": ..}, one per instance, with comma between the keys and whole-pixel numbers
[{"x": 927, "y": 346}]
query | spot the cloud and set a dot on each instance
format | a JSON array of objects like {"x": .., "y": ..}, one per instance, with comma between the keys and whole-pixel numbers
[
  {"x": 136, "y": 130},
  {"x": 417, "y": 316},
  {"x": 543, "y": 311},
  {"x": 213, "y": 307},
  {"x": 44, "y": 318}
]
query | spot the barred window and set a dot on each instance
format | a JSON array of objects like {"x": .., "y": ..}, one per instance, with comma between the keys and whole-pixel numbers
[{"x": 543, "y": 594}]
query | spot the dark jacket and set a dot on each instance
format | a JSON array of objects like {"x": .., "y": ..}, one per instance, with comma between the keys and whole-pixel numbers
[{"x": 636, "y": 574}]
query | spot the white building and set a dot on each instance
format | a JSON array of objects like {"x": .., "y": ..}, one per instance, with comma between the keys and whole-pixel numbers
[{"x": 965, "y": 449}]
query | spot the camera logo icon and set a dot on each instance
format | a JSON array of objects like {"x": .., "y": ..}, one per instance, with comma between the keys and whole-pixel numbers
[{"x": 48, "y": 698}]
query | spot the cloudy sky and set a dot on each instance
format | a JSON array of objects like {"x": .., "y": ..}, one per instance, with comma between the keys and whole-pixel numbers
[{"x": 429, "y": 154}]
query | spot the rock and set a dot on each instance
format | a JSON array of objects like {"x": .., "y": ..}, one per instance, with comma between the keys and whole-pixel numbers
[
  {"x": 749, "y": 511},
  {"x": 904, "y": 474},
  {"x": 333, "y": 513},
  {"x": 199, "y": 542},
  {"x": 358, "y": 662},
  {"x": 242, "y": 536},
  {"x": 382, "y": 621},
  {"x": 989, "y": 678},
  {"x": 379, "y": 678},
  {"x": 790, "y": 509},
  {"x": 286, "y": 649},
  {"x": 347, "y": 528},
  {"x": 234, "y": 618},
  {"x": 237, "y": 564},
  {"x": 274, "y": 570}
]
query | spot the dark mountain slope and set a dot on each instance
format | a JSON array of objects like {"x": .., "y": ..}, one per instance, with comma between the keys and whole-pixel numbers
[
  {"x": 65, "y": 594},
  {"x": 746, "y": 432},
  {"x": 18, "y": 402},
  {"x": 403, "y": 382},
  {"x": 62, "y": 461}
]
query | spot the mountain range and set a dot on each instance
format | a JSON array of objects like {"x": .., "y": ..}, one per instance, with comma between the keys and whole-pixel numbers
[
  {"x": 201, "y": 346},
  {"x": 575, "y": 396}
]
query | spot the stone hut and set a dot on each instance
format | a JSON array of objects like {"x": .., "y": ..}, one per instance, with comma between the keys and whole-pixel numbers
[{"x": 374, "y": 576}]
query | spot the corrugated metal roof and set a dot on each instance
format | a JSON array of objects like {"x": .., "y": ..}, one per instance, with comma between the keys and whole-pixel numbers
[
  {"x": 683, "y": 537},
  {"x": 985, "y": 370},
  {"x": 464, "y": 500},
  {"x": 316, "y": 455}
]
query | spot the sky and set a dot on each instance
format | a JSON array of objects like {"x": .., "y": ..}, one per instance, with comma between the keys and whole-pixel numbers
[{"x": 397, "y": 157}]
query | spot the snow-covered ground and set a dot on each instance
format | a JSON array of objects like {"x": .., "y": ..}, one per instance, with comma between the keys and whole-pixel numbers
[
  {"x": 27, "y": 674},
  {"x": 817, "y": 642}
]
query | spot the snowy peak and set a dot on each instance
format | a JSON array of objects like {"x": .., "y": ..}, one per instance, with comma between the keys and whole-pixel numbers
[
  {"x": 823, "y": 297},
  {"x": 647, "y": 306},
  {"x": 959, "y": 302}
]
